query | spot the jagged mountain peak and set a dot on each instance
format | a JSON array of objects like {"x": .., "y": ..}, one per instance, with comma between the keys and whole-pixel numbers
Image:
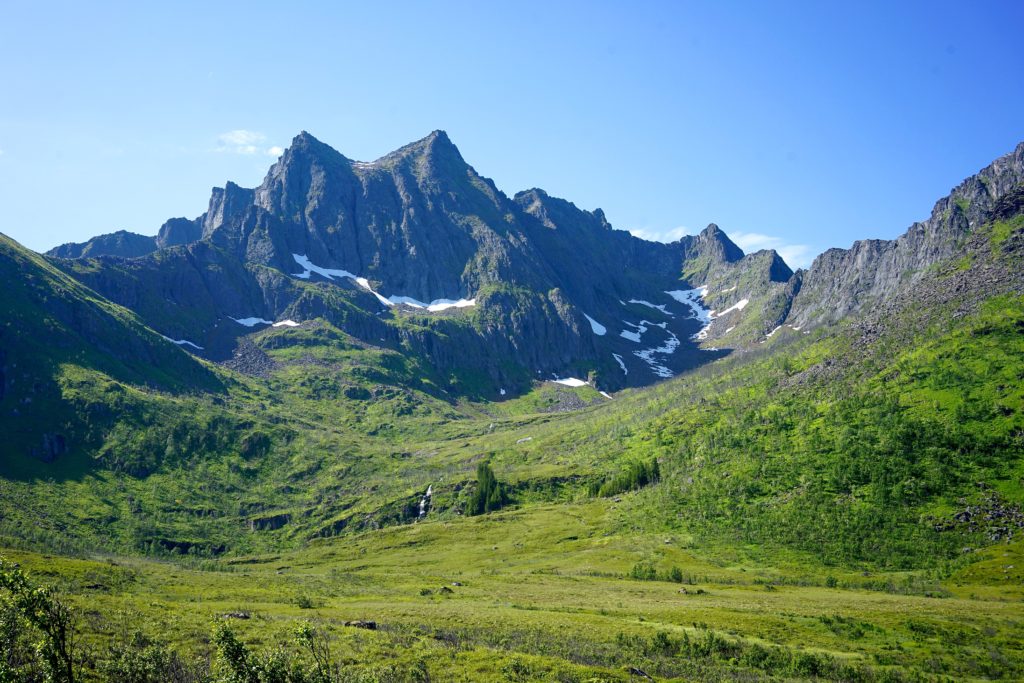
[
  {"x": 712, "y": 241},
  {"x": 553, "y": 211}
]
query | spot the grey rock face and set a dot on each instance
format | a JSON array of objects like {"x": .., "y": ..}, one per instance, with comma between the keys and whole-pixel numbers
[
  {"x": 420, "y": 222},
  {"x": 121, "y": 243},
  {"x": 178, "y": 231},
  {"x": 844, "y": 281}
]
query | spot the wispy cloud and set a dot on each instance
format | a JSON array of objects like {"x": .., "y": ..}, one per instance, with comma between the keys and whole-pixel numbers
[
  {"x": 661, "y": 235},
  {"x": 796, "y": 255},
  {"x": 246, "y": 142}
]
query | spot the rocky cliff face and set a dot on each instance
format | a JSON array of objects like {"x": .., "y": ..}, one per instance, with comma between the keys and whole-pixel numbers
[
  {"x": 554, "y": 289},
  {"x": 121, "y": 243},
  {"x": 543, "y": 287},
  {"x": 841, "y": 282}
]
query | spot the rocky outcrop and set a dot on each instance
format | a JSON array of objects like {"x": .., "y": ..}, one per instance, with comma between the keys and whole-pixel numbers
[
  {"x": 177, "y": 231},
  {"x": 557, "y": 290},
  {"x": 841, "y": 282},
  {"x": 121, "y": 243}
]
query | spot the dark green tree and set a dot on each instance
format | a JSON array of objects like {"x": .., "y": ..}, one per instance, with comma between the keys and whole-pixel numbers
[{"x": 489, "y": 494}]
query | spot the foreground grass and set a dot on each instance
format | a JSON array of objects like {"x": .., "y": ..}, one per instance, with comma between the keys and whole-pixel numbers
[{"x": 543, "y": 594}]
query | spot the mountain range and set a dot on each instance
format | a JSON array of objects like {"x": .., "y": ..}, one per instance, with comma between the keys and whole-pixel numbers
[
  {"x": 417, "y": 252},
  {"x": 445, "y": 434}
]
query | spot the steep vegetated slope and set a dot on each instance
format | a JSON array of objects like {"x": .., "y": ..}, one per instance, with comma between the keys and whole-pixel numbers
[{"x": 866, "y": 432}]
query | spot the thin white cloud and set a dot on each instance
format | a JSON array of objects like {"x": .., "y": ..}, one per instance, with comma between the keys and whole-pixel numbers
[
  {"x": 275, "y": 151},
  {"x": 244, "y": 142},
  {"x": 662, "y": 235},
  {"x": 795, "y": 255}
]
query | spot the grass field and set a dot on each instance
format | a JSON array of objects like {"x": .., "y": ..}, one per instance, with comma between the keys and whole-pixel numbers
[{"x": 544, "y": 594}]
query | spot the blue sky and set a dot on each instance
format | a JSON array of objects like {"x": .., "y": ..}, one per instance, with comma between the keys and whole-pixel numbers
[{"x": 794, "y": 125}]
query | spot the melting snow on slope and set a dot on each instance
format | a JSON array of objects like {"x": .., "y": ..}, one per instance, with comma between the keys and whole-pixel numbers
[
  {"x": 599, "y": 329},
  {"x": 693, "y": 299},
  {"x": 648, "y": 355},
  {"x": 657, "y": 307},
  {"x": 330, "y": 273},
  {"x": 250, "y": 322},
  {"x": 286, "y": 323},
  {"x": 622, "y": 365},
  {"x": 606, "y": 395},
  {"x": 433, "y": 306},
  {"x": 182, "y": 342},
  {"x": 640, "y": 329},
  {"x": 631, "y": 336},
  {"x": 738, "y": 306},
  {"x": 570, "y": 382}
]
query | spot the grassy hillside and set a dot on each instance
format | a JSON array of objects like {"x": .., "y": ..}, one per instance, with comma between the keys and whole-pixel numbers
[{"x": 842, "y": 504}]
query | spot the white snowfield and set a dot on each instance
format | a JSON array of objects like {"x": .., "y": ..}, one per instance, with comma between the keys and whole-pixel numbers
[
  {"x": 657, "y": 307},
  {"x": 694, "y": 299},
  {"x": 738, "y": 306},
  {"x": 598, "y": 329},
  {"x": 640, "y": 328},
  {"x": 394, "y": 300},
  {"x": 648, "y": 355},
  {"x": 570, "y": 382},
  {"x": 252, "y": 322},
  {"x": 631, "y": 336},
  {"x": 618, "y": 359},
  {"x": 182, "y": 342}
]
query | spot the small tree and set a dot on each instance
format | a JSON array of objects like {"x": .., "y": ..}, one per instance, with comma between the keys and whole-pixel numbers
[
  {"x": 489, "y": 494},
  {"x": 37, "y": 631}
]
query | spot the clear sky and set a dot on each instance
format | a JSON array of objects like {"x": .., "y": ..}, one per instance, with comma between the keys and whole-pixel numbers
[{"x": 795, "y": 125}]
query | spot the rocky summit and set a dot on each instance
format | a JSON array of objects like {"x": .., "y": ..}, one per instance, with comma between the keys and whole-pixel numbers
[{"x": 418, "y": 252}]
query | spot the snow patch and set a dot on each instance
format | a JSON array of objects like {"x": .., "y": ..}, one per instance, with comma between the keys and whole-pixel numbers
[
  {"x": 570, "y": 382},
  {"x": 693, "y": 298},
  {"x": 606, "y": 395},
  {"x": 738, "y": 306},
  {"x": 598, "y": 329},
  {"x": 731, "y": 289},
  {"x": 286, "y": 323},
  {"x": 433, "y": 306},
  {"x": 182, "y": 342},
  {"x": 330, "y": 273},
  {"x": 770, "y": 334},
  {"x": 252, "y": 322},
  {"x": 631, "y": 336},
  {"x": 648, "y": 356},
  {"x": 730, "y": 329},
  {"x": 524, "y": 439},
  {"x": 502, "y": 392},
  {"x": 622, "y": 365},
  {"x": 640, "y": 328},
  {"x": 657, "y": 307}
]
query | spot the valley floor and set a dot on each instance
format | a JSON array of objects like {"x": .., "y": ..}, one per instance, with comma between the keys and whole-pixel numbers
[{"x": 546, "y": 593}]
